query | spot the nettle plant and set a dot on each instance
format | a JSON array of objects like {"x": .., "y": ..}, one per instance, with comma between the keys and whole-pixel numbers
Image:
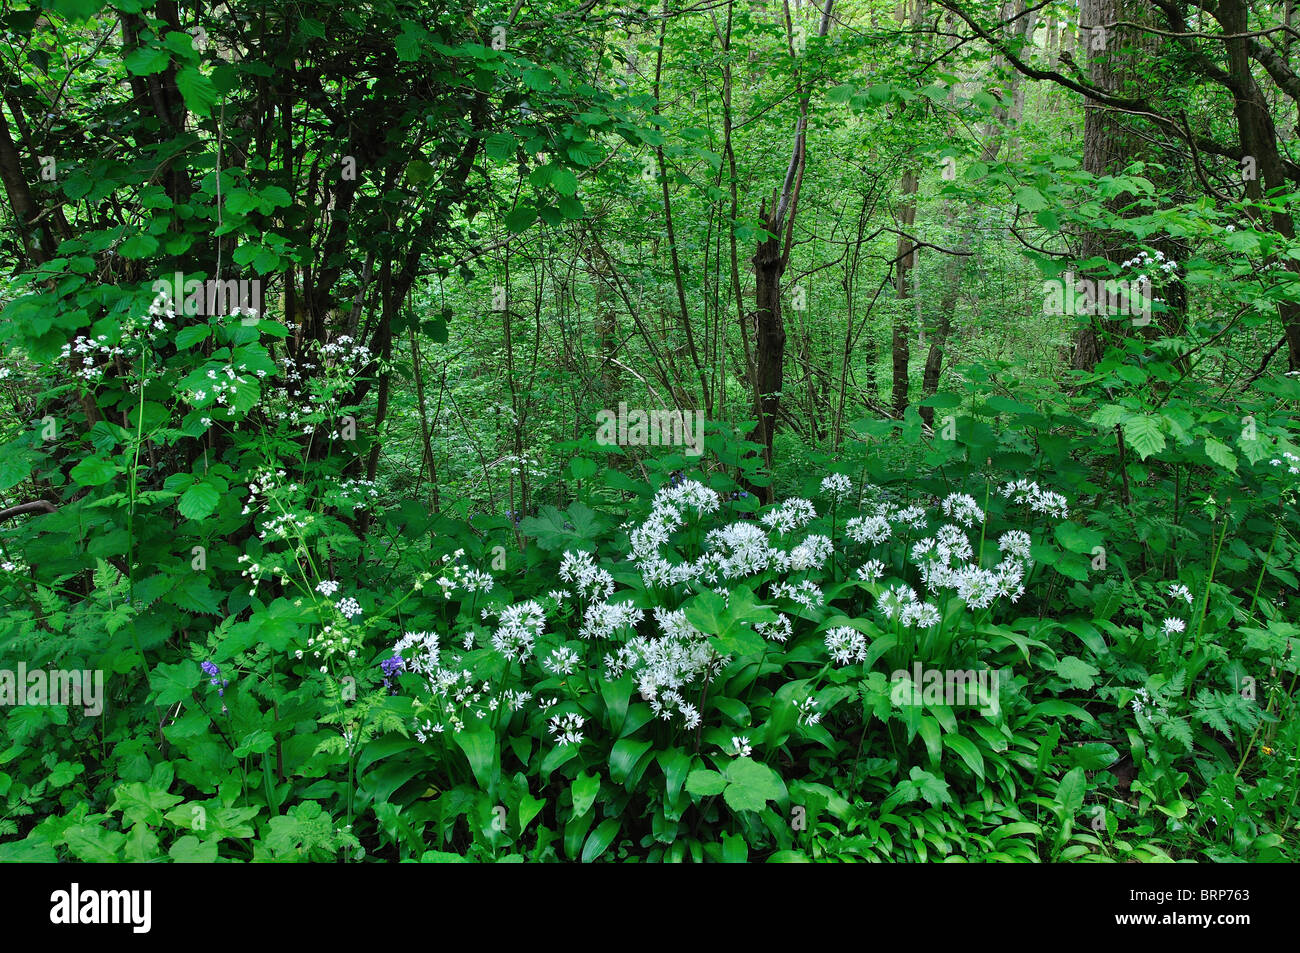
[{"x": 682, "y": 698}]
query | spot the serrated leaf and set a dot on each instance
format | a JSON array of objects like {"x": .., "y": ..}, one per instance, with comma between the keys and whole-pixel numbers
[
  {"x": 197, "y": 91},
  {"x": 1143, "y": 434},
  {"x": 1221, "y": 454},
  {"x": 198, "y": 501}
]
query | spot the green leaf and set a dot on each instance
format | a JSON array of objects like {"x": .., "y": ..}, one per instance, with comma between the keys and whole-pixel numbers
[
  {"x": 75, "y": 9},
  {"x": 174, "y": 683},
  {"x": 705, "y": 783},
  {"x": 623, "y": 758},
  {"x": 190, "y": 850},
  {"x": 93, "y": 471},
  {"x": 600, "y": 839},
  {"x": 146, "y": 60},
  {"x": 197, "y": 91},
  {"x": 410, "y": 41},
  {"x": 520, "y": 218},
  {"x": 198, "y": 501},
  {"x": 1076, "y": 671},
  {"x": 188, "y": 337},
  {"x": 500, "y": 146},
  {"x": 1220, "y": 454},
  {"x": 1070, "y": 792},
  {"x": 564, "y": 182},
  {"x": 138, "y": 246},
  {"x": 480, "y": 746},
  {"x": 966, "y": 750},
  {"x": 584, "y": 788},
  {"x": 1143, "y": 434},
  {"x": 751, "y": 785},
  {"x": 1076, "y": 538}
]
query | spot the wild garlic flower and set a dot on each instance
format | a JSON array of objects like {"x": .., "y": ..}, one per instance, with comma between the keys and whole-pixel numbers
[
  {"x": 1178, "y": 591},
  {"x": 963, "y": 508},
  {"x": 566, "y": 728},
  {"x": 1173, "y": 626},
  {"x": 778, "y": 631},
  {"x": 837, "y": 487},
  {"x": 871, "y": 571},
  {"x": 892, "y": 601},
  {"x": 789, "y": 516},
  {"x": 517, "y": 629},
  {"x": 846, "y": 645},
  {"x": 1016, "y": 543},
  {"x": 561, "y": 661},
  {"x": 869, "y": 530},
  {"x": 805, "y": 592},
  {"x": 812, "y": 553}
]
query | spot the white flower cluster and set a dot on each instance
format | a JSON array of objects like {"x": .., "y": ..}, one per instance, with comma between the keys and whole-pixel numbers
[
  {"x": 91, "y": 355},
  {"x": 664, "y": 665},
  {"x": 567, "y": 728},
  {"x": 331, "y": 642},
  {"x": 671, "y": 667},
  {"x": 1143, "y": 261},
  {"x": 1040, "y": 501},
  {"x": 358, "y": 493},
  {"x": 518, "y": 628},
  {"x": 1292, "y": 462},
  {"x": 846, "y": 645},
  {"x": 837, "y": 487},
  {"x": 455, "y": 576},
  {"x": 591, "y": 582}
]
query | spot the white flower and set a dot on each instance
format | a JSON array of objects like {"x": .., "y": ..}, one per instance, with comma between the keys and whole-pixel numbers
[
  {"x": 741, "y": 746},
  {"x": 868, "y": 529},
  {"x": 349, "y": 607},
  {"x": 778, "y": 631},
  {"x": 1174, "y": 625},
  {"x": 1178, "y": 591},
  {"x": 327, "y": 587},
  {"x": 871, "y": 571},
  {"x": 562, "y": 661},
  {"x": 963, "y": 509},
  {"x": 788, "y": 516},
  {"x": 1015, "y": 543},
  {"x": 846, "y": 645},
  {"x": 566, "y": 728},
  {"x": 837, "y": 486}
]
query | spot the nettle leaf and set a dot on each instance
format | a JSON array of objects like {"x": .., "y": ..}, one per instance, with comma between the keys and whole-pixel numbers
[{"x": 1143, "y": 434}]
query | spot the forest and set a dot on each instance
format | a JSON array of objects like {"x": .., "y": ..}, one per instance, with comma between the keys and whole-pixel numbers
[{"x": 682, "y": 431}]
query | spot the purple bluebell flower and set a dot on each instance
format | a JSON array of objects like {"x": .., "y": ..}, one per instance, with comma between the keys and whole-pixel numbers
[
  {"x": 392, "y": 667},
  {"x": 210, "y": 668}
]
